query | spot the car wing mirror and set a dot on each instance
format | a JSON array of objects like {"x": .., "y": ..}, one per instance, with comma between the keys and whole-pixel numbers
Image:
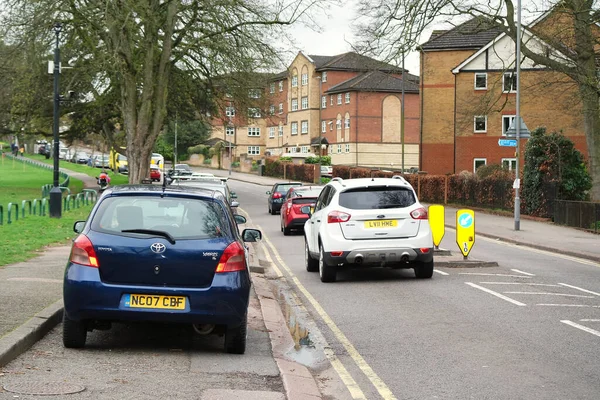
[
  {"x": 78, "y": 226},
  {"x": 235, "y": 204},
  {"x": 268, "y": 192},
  {"x": 251, "y": 235},
  {"x": 233, "y": 195},
  {"x": 239, "y": 219}
]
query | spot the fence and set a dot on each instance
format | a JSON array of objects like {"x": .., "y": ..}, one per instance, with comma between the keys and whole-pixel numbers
[{"x": 578, "y": 214}]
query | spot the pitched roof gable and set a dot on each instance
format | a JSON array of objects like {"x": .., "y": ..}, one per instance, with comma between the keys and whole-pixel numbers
[
  {"x": 472, "y": 34},
  {"x": 375, "y": 81},
  {"x": 351, "y": 61}
]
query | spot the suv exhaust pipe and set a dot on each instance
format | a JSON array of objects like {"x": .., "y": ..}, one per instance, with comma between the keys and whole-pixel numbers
[
  {"x": 404, "y": 257},
  {"x": 358, "y": 259}
]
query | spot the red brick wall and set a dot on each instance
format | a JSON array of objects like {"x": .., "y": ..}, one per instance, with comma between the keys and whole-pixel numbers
[{"x": 437, "y": 158}]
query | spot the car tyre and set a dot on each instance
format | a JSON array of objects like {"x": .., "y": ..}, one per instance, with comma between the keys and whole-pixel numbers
[
  {"x": 424, "y": 270},
  {"x": 286, "y": 231},
  {"x": 327, "y": 272},
  {"x": 312, "y": 265},
  {"x": 271, "y": 211},
  {"x": 74, "y": 333},
  {"x": 235, "y": 338}
]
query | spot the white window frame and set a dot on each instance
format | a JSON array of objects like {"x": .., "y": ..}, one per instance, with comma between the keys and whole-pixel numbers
[
  {"x": 512, "y": 89},
  {"x": 330, "y": 125},
  {"x": 347, "y": 123},
  {"x": 480, "y": 74},
  {"x": 304, "y": 127},
  {"x": 254, "y": 131},
  {"x": 323, "y": 126},
  {"x": 295, "y": 81},
  {"x": 330, "y": 151},
  {"x": 304, "y": 102},
  {"x": 324, "y": 76},
  {"x": 254, "y": 112},
  {"x": 347, "y": 98},
  {"x": 339, "y": 149},
  {"x": 347, "y": 147},
  {"x": 331, "y": 99},
  {"x": 294, "y": 104},
  {"x": 305, "y": 149},
  {"x": 505, "y": 127},
  {"x": 510, "y": 162},
  {"x": 272, "y": 87},
  {"x": 476, "y": 160},
  {"x": 272, "y": 109},
  {"x": 253, "y": 150},
  {"x": 280, "y": 108},
  {"x": 280, "y": 130},
  {"x": 338, "y": 124},
  {"x": 304, "y": 79},
  {"x": 271, "y": 132},
  {"x": 230, "y": 111},
  {"x": 339, "y": 99},
  {"x": 323, "y": 101},
  {"x": 254, "y": 93},
  {"x": 230, "y": 130},
  {"x": 475, "y": 124},
  {"x": 281, "y": 86},
  {"x": 294, "y": 128}
]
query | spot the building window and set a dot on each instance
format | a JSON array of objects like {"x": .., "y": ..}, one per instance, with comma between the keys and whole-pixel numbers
[
  {"x": 305, "y": 103},
  {"x": 230, "y": 130},
  {"x": 230, "y": 111},
  {"x": 480, "y": 123},
  {"x": 323, "y": 126},
  {"x": 347, "y": 98},
  {"x": 478, "y": 162},
  {"x": 507, "y": 120},
  {"x": 294, "y": 104},
  {"x": 280, "y": 108},
  {"x": 280, "y": 130},
  {"x": 330, "y": 125},
  {"x": 324, "y": 102},
  {"x": 509, "y": 82},
  {"x": 272, "y": 132},
  {"x": 254, "y": 112},
  {"x": 304, "y": 127},
  {"x": 271, "y": 109},
  {"x": 295, "y": 81},
  {"x": 338, "y": 124},
  {"x": 281, "y": 86},
  {"x": 304, "y": 149},
  {"x": 347, "y": 148},
  {"x": 481, "y": 81},
  {"x": 509, "y": 163},
  {"x": 304, "y": 79},
  {"x": 324, "y": 76},
  {"x": 294, "y": 126},
  {"x": 347, "y": 123},
  {"x": 339, "y": 149},
  {"x": 253, "y": 150},
  {"x": 292, "y": 150},
  {"x": 272, "y": 88},
  {"x": 253, "y": 131},
  {"x": 339, "y": 99},
  {"x": 330, "y": 150},
  {"x": 331, "y": 99},
  {"x": 254, "y": 93}
]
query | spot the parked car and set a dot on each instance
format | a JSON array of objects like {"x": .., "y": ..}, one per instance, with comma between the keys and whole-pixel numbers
[
  {"x": 180, "y": 171},
  {"x": 148, "y": 253},
  {"x": 155, "y": 173},
  {"x": 326, "y": 171},
  {"x": 292, "y": 216},
  {"x": 100, "y": 161},
  {"x": 213, "y": 184},
  {"x": 277, "y": 193},
  {"x": 80, "y": 157},
  {"x": 368, "y": 222}
]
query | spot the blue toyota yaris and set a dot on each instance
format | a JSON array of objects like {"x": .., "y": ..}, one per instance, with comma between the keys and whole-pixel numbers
[{"x": 164, "y": 254}]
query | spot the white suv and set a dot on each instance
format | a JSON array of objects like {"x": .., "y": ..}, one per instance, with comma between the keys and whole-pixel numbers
[{"x": 368, "y": 222}]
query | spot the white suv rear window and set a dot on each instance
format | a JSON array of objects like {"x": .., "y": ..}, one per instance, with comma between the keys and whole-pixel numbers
[{"x": 371, "y": 198}]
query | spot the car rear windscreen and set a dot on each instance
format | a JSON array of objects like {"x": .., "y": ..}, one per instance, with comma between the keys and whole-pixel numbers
[
  {"x": 285, "y": 188},
  {"x": 371, "y": 198}
]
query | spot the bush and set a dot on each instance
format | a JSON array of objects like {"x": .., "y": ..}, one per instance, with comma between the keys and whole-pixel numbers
[
  {"x": 207, "y": 161},
  {"x": 486, "y": 170},
  {"x": 235, "y": 164},
  {"x": 285, "y": 158}
]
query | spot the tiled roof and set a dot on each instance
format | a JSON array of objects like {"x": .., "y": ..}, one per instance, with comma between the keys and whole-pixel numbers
[
  {"x": 321, "y": 60},
  {"x": 279, "y": 76},
  {"x": 472, "y": 34},
  {"x": 352, "y": 61},
  {"x": 375, "y": 81}
]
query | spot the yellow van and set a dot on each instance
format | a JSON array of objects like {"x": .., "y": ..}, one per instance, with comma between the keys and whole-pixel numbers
[{"x": 118, "y": 162}]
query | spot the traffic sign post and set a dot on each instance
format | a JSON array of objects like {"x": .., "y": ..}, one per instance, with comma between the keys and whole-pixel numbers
[
  {"x": 465, "y": 231},
  {"x": 437, "y": 223}
]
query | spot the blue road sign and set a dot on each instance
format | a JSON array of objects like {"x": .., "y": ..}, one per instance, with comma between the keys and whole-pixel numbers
[
  {"x": 507, "y": 142},
  {"x": 465, "y": 220}
]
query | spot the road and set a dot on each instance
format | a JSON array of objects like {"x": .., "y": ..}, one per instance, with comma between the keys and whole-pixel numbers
[{"x": 527, "y": 329}]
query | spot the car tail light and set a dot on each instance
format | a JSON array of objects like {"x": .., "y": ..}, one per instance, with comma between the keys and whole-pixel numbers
[
  {"x": 289, "y": 205},
  {"x": 337, "y": 216},
  {"x": 83, "y": 252},
  {"x": 277, "y": 195},
  {"x": 424, "y": 250},
  {"x": 232, "y": 259},
  {"x": 419, "y": 213},
  {"x": 336, "y": 253}
]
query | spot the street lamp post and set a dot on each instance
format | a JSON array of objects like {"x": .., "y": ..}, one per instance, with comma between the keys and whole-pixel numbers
[
  {"x": 402, "y": 116},
  {"x": 320, "y": 78},
  {"x": 518, "y": 120},
  {"x": 55, "y": 192}
]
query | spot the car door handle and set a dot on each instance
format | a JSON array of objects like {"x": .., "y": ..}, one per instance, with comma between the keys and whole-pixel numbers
[{"x": 318, "y": 220}]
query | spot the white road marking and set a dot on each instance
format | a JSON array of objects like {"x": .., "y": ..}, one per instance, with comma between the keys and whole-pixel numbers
[
  {"x": 483, "y": 274},
  {"x": 583, "y": 328},
  {"x": 441, "y": 272},
  {"x": 567, "y": 305},
  {"x": 518, "y": 283},
  {"x": 522, "y": 272},
  {"x": 553, "y": 294},
  {"x": 501, "y": 296},
  {"x": 589, "y": 320},
  {"x": 580, "y": 289}
]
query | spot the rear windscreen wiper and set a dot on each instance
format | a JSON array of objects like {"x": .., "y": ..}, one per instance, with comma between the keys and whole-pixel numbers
[{"x": 164, "y": 234}]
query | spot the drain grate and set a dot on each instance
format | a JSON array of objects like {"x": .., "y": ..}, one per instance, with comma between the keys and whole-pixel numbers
[{"x": 43, "y": 388}]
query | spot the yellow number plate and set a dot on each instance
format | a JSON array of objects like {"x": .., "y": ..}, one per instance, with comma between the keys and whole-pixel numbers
[
  {"x": 154, "y": 301},
  {"x": 384, "y": 223}
]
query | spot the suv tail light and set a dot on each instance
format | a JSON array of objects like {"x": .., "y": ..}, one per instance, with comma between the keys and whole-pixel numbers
[
  {"x": 277, "y": 195},
  {"x": 83, "y": 252},
  {"x": 419, "y": 213},
  {"x": 233, "y": 259},
  {"x": 337, "y": 216}
]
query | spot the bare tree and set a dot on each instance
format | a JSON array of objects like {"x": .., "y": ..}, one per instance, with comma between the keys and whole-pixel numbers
[{"x": 391, "y": 29}]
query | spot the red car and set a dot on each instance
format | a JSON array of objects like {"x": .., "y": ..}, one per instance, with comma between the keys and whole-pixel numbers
[
  {"x": 296, "y": 198},
  {"x": 155, "y": 173}
]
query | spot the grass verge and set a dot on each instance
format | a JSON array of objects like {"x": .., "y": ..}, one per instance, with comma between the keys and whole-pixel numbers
[{"x": 115, "y": 178}]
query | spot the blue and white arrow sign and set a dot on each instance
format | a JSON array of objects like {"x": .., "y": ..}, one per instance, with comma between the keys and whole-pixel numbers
[
  {"x": 465, "y": 220},
  {"x": 507, "y": 142}
]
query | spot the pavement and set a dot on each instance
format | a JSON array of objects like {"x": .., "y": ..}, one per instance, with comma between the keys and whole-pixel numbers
[{"x": 31, "y": 291}]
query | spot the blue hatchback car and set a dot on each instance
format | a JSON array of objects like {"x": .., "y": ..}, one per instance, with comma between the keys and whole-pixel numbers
[{"x": 164, "y": 254}]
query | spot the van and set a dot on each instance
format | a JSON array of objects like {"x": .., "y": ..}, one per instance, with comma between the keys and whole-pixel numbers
[{"x": 118, "y": 162}]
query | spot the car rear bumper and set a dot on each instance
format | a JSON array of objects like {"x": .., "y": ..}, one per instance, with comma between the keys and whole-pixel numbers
[
  {"x": 86, "y": 297},
  {"x": 369, "y": 257},
  {"x": 297, "y": 223}
]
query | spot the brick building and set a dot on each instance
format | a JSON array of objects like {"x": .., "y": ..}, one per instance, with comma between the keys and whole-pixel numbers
[
  {"x": 468, "y": 91},
  {"x": 347, "y": 105}
]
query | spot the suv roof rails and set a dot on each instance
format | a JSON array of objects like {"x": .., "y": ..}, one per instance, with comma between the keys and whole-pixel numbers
[
  {"x": 337, "y": 179},
  {"x": 400, "y": 177}
]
